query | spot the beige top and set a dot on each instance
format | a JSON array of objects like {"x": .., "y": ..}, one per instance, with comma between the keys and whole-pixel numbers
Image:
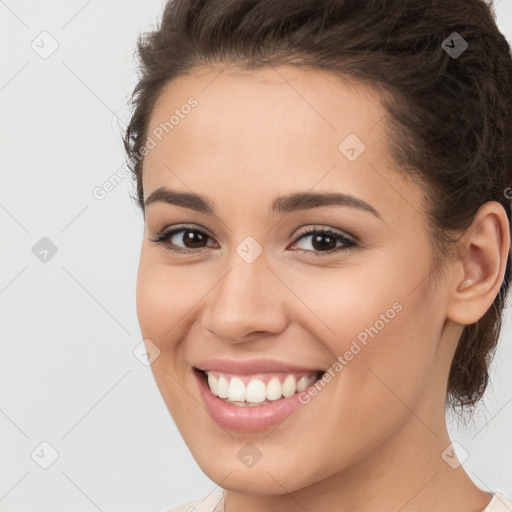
[{"x": 214, "y": 503}]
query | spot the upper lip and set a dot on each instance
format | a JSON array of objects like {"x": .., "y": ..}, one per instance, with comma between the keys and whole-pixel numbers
[{"x": 251, "y": 366}]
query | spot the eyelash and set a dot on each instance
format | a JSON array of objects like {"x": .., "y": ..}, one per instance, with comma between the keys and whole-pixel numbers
[{"x": 163, "y": 236}]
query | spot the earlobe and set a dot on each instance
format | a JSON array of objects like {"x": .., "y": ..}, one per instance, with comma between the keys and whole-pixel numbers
[{"x": 482, "y": 264}]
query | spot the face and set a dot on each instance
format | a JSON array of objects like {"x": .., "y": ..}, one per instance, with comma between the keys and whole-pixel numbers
[{"x": 338, "y": 282}]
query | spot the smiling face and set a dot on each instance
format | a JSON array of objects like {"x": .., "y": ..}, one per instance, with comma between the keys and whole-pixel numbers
[{"x": 256, "y": 283}]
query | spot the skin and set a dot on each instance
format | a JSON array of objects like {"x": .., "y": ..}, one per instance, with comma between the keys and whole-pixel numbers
[{"x": 373, "y": 438}]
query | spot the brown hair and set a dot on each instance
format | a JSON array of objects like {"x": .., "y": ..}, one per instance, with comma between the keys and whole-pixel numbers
[{"x": 450, "y": 116}]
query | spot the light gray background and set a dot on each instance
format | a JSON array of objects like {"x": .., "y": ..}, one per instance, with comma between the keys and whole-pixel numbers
[{"x": 68, "y": 375}]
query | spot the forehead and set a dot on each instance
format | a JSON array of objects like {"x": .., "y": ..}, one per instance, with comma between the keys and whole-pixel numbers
[
  {"x": 273, "y": 106},
  {"x": 275, "y": 129}
]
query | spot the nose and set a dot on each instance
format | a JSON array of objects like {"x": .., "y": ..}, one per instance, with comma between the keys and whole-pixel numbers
[{"x": 248, "y": 301}]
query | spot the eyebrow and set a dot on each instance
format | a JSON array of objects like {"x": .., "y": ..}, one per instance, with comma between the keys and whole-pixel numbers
[{"x": 281, "y": 204}]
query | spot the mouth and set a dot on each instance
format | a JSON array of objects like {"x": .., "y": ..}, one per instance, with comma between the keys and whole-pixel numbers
[{"x": 257, "y": 390}]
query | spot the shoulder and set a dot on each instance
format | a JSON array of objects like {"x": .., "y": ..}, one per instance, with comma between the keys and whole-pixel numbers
[
  {"x": 499, "y": 503},
  {"x": 205, "y": 504}
]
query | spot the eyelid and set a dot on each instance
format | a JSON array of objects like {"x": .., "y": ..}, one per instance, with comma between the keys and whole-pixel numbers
[
  {"x": 300, "y": 232},
  {"x": 171, "y": 231},
  {"x": 349, "y": 242},
  {"x": 325, "y": 229}
]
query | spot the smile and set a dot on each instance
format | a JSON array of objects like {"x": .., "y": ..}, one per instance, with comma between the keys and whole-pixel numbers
[
  {"x": 252, "y": 402},
  {"x": 260, "y": 389}
]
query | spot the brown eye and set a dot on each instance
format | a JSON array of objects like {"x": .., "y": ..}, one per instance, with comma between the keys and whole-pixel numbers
[
  {"x": 324, "y": 241},
  {"x": 191, "y": 239}
]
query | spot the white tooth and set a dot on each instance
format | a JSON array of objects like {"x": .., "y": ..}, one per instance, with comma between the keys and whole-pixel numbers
[
  {"x": 274, "y": 390},
  {"x": 289, "y": 386},
  {"x": 256, "y": 391},
  {"x": 236, "y": 390},
  {"x": 212, "y": 382},
  {"x": 222, "y": 387},
  {"x": 247, "y": 404},
  {"x": 303, "y": 383}
]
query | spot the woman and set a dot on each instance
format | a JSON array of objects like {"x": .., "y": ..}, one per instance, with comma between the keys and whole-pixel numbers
[{"x": 324, "y": 187}]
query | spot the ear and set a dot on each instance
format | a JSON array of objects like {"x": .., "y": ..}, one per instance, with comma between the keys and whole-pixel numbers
[{"x": 479, "y": 272}]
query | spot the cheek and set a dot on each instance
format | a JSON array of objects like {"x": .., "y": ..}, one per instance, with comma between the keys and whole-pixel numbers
[
  {"x": 159, "y": 309},
  {"x": 165, "y": 300},
  {"x": 345, "y": 304},
  {"x": 388, "y": 359},
  {"x": 383, "y": 326}
]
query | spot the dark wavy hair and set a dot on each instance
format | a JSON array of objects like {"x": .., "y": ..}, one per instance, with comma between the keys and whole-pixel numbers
[{"x": 449, "y": 117}]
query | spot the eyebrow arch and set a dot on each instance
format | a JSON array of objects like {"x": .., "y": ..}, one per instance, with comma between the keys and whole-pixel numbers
[{"x": 281, "y": 204}]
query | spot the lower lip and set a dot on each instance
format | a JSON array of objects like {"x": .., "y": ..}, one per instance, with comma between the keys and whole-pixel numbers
[{"x": 246, "y": 419}]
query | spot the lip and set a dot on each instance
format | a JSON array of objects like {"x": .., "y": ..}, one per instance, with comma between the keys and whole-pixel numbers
[
  {"x": 242, "y": 367},
  {"x": 246, "y": 419}
]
